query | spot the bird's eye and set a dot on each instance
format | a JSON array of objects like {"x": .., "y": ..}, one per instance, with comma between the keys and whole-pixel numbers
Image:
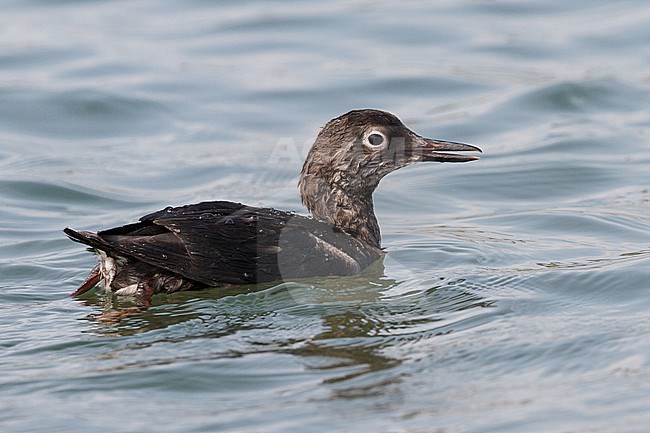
[{"x": 375, "y": 139}]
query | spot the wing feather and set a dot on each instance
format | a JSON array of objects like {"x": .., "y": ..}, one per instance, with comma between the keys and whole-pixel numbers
[{"x": 221, "y": 242}]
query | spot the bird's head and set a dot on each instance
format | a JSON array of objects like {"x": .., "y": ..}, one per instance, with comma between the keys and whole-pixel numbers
[{"x": 355, "y": 151}]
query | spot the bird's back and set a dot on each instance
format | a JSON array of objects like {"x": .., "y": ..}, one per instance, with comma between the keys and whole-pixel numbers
[{"x": 222, "y": 243}]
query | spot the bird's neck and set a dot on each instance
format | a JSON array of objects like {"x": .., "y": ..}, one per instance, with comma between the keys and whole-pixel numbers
[{"x": 352, "y": 213}]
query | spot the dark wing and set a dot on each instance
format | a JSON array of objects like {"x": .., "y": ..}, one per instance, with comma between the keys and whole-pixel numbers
[{"x": 220, "y": 242}]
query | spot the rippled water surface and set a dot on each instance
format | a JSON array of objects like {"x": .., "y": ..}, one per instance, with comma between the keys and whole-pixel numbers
[{"x": 514, "y": 296}]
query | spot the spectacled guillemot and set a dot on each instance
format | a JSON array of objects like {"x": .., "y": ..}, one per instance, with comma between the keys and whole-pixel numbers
[{"x": 221, "y": 243}]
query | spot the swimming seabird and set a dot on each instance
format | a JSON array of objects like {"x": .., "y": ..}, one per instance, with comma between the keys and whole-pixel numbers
[{"x": 223, "y": 244}]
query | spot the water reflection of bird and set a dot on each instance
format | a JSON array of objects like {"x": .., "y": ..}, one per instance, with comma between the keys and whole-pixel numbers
[{"x": 222, "y": 243}]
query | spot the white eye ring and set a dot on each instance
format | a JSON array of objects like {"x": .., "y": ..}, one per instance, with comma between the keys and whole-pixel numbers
[{"x": 375, "y": 139}]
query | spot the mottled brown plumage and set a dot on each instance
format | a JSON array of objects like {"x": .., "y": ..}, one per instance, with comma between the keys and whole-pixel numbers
[{"x": 224, "y": 243}]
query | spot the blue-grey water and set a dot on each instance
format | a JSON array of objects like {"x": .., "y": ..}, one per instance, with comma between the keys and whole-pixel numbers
[{"x": 515, "y": 294}]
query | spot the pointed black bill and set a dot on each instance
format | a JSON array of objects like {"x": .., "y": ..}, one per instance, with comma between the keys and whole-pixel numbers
[{"x": 434, "y": 150}]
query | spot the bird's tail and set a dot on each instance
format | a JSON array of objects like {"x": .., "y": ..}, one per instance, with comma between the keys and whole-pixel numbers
[
  {"x": 92, "y": 240},
  {"x": 87, "y": 238}
]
